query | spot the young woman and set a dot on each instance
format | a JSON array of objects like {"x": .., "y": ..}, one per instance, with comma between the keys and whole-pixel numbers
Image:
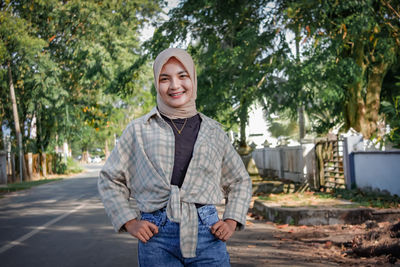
[{"x": 169, "y": 170}]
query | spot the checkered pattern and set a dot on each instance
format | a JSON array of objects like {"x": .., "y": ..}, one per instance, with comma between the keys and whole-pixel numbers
[{"x": 140, "y": 168}]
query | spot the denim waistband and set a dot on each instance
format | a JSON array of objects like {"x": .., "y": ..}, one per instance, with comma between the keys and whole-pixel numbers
[{"x": 198, "y": 206}]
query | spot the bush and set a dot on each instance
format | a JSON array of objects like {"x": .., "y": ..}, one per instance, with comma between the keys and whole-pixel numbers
[
  {"x": 72, "y": 166},
  {"x": 61, "y": 168}
]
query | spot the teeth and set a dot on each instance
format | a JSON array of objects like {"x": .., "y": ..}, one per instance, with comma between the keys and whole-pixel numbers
[{"x": 181, "y": 93}]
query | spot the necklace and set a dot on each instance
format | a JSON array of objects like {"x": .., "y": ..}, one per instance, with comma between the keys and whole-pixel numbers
[{"x": 179, "y": 131}]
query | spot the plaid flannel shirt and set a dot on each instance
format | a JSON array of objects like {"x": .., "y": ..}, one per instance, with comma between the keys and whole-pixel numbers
[{"x": 140, "y": 168}]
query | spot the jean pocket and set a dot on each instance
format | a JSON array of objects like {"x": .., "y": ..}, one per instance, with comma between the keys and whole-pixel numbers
[
  {"x": 208, "y": 215},
  {"x": 157, "y": 218}
]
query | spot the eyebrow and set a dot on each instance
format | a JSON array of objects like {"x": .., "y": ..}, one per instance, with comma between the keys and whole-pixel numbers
[{"x": 181, "y": 72}]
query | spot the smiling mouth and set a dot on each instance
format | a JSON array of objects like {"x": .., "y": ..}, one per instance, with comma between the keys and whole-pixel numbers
[{"x": 177, "y": 94}]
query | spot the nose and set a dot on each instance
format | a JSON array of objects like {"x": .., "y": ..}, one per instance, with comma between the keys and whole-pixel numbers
[{"x": 175, "y": 84}]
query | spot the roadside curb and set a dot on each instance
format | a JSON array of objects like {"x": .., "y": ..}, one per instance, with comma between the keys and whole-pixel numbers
[{"x": 322, "y": 215}]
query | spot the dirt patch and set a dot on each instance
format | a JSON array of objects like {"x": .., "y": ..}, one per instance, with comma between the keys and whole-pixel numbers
[
  {"x": 368, "y": 244},
  {"x": 379, "y": 241}
]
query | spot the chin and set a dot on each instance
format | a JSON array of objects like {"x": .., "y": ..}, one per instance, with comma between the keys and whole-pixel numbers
[{"x": 179, "y": 103}]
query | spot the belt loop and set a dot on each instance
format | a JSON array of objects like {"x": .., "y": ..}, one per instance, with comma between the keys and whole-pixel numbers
[{"x": 163, "y": 217}]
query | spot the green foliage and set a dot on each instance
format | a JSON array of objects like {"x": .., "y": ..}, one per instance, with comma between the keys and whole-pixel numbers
[
  {"x": 368, "y": 198},
  {"x": 392, "y": 112},
  {"x": 64, "y": 56},
  {"x": 72, "y": 166},
  {"x": 390, "y": 104},
  {"x": 230, "y": 41},
  {"x": 61, "y": 168},
  {"x": 283, "y": 127},
  {"x": 347, "y": 48}
]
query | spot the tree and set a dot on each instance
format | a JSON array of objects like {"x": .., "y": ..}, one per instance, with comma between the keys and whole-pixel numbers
[
  {"x": 77, "y": 48},
  {"x": 16, "y": 46},
  {"x": 349, "y": 48},
  {"x": 231, "y": 42}
]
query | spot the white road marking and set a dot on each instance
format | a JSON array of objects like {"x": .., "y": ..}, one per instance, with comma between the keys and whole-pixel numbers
[{"x": 38, "y": 229}]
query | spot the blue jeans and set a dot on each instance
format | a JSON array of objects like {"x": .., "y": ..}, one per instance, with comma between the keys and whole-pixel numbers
[{"x": 163, "y": 249}]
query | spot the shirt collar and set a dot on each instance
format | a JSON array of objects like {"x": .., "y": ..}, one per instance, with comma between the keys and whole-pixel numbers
[{"x": 154, "y": 112}]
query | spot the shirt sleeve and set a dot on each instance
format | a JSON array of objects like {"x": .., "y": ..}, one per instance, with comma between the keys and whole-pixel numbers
[
  {"x": 113, "y": 183},
  {"x": 236, "y": 184}
]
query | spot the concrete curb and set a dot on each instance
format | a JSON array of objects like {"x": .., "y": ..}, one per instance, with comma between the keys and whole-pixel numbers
[{"x": 326, "y": 215}]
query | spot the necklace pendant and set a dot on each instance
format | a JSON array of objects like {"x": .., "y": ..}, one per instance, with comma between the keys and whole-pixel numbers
[{"x": 179, "y": 131}]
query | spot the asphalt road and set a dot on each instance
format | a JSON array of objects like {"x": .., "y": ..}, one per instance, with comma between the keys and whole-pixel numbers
[
  {"x": 64, "y": 224},
  {"x": 61, "y": 224}
]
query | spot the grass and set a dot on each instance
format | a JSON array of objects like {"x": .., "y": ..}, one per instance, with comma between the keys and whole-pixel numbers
[
  {"x": 368, "y": 198},
  {"x": 25, "y": 185},
  {"x": 310, "y": 199},
  {"x": 335, "y": 198}
]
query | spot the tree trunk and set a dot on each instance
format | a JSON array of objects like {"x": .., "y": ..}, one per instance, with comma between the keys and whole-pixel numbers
[
  {"x": 106, "y": 150},
  {"x": 355, "y": 108},
  {"x": 2, "y": 141},
  {"x": 372, "y": 100},
  {"x": 56, "y": 147},
  {"x": 85, "y": 156},
  {"x": 44, "y": 164},
  {"x": 243, "y": 117},
  {"x": 300, "y": 109},
  {"x": 302, "y": 128},
  {"x": 22, "y": 167}
]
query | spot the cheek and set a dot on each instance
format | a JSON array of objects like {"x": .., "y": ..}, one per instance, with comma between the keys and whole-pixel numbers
[
  {"x": 189, "y": 87},
  {"x": 163, "y": 89}
]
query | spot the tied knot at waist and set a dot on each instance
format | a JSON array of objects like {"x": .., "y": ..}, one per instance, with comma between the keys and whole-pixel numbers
[
  {"x": 177, "y": 203},
  {"x": 184, "y": 213}
]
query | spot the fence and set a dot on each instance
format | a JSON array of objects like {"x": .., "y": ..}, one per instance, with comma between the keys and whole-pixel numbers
[
  {"x": 329, "y": 153},
  {"x": 332, "y": 163},
  {"x": 9, "y": 166},
  {"x": 292, "y": 163}
]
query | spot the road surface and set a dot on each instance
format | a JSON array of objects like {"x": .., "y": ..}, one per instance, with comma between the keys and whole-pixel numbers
[{"x": 61, "y": 224}]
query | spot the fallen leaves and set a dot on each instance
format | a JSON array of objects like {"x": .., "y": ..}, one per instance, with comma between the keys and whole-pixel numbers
[
  {"x": 328, "y": 244},
  {"x": 282, "y": 226}
]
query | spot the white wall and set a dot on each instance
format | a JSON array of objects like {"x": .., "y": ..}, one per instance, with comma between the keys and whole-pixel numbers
[
  {"x": 293, "y": 163},
  {"x": 378, "y": 170}
]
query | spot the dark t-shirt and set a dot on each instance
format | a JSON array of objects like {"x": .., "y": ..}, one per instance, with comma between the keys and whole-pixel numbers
[{"x": 184, "y": 144}]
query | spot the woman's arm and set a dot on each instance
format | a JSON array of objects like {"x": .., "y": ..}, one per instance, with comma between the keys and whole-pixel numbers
[
  {"x": 236, "y": 183},
  {"x": 113, "y": 183}
]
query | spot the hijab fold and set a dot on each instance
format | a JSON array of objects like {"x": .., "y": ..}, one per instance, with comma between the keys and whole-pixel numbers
[{"x": 189, "y": 109}]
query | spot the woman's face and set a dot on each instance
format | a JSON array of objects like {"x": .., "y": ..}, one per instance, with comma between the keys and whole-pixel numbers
[{"x": 175, "y": 85}]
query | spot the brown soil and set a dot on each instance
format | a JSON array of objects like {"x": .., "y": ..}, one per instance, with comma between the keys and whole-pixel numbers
[
  {"x": 368, "y": 244},
  {"x": 263, "y": 243}
]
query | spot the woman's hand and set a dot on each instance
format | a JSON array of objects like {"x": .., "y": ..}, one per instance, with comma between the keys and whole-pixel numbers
[
  {"x": 224, "y": 229},
  {"x": 142, "y": 230}
]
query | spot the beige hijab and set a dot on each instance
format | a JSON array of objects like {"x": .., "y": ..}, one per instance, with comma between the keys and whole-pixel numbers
[{"x": 189, "y": 109}]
